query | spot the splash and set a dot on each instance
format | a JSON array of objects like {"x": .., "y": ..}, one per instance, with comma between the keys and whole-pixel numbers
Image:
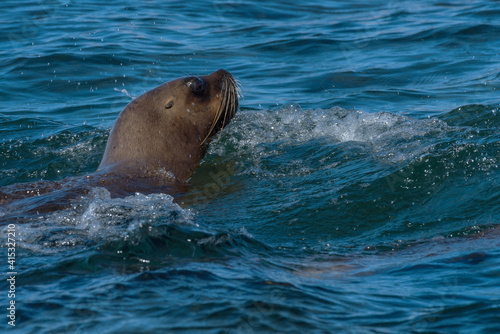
[{"x": 96, "y": 218}]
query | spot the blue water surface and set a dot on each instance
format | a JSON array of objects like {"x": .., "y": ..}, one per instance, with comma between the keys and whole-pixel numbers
[{"x": 356, "y": 190}]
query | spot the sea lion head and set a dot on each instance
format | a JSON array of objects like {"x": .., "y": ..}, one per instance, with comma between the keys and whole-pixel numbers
[{"x": 165, "y": 132}]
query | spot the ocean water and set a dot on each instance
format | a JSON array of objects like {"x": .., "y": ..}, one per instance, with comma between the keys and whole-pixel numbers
[{"x": 356, "y": 190}]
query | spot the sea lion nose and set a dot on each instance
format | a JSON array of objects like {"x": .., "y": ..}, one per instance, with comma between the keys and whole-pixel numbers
[{"x": 222, "y": 73}]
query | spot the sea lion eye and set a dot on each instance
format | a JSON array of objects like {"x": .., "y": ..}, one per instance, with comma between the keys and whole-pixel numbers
[
  {"x": 198, "y": 86},
  {"x": 169, "y": 105}
]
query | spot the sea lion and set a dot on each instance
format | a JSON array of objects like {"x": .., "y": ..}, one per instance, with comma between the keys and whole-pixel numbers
[
  {"x": 155, "y": 144},
  {"x": 163, "y": 134}
]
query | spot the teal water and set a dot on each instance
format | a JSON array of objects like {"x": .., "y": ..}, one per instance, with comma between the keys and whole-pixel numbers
[{"x": 355, "y": 191}]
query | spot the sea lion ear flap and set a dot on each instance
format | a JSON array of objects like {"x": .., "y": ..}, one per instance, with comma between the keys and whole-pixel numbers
[{"x": 169, "y": 105}]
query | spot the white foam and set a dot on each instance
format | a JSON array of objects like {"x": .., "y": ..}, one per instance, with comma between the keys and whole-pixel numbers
[
  {"x": 392, "y": 137},
  {"x": 97, "y": 217}
]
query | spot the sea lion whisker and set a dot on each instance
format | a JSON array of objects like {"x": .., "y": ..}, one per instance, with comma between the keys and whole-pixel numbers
[
  {"x": 227, "y": 108},
  {"x": 230, "y": 105},
  {"x": 214, "y": 122},
  {"x": 229, "y": 100},
  {"x": 238, "y": 87},
  {"x": 226, "y": 104},
  {"x": 216, "y": 118},
  {"x": 236, "y": 94}
]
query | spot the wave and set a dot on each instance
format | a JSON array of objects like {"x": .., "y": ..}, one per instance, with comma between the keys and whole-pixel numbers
[
  {"x": 354, "y": 177},
  {"x": 39, "y": 148}
]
